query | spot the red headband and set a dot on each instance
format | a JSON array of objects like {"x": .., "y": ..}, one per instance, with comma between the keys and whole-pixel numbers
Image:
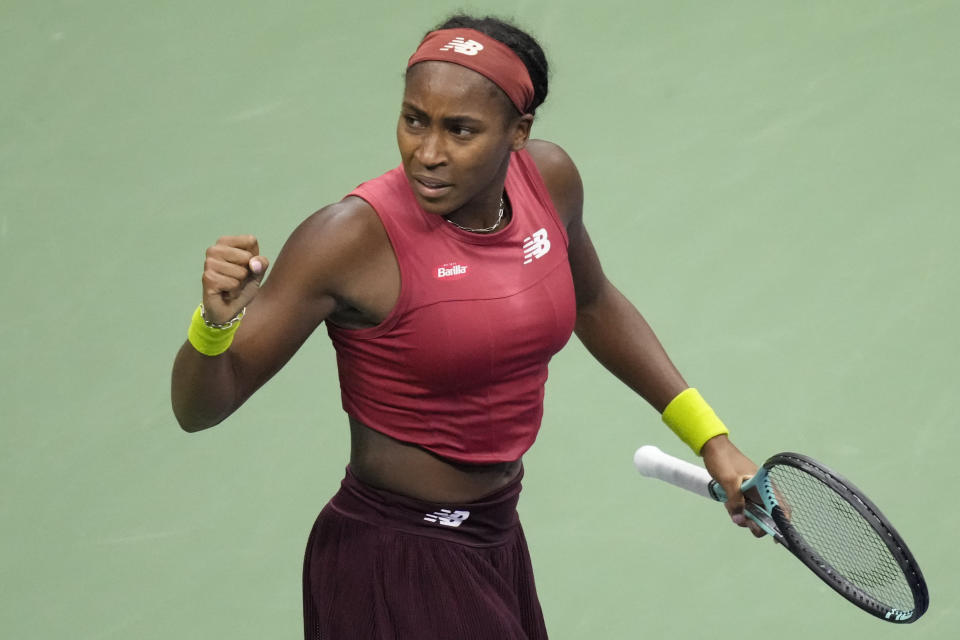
[{"x": 481, "y": 53}]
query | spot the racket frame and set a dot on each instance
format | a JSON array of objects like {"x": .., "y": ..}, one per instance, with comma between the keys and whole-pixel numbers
[
  {"x": 849, "y": 493},
  {"x": 773, "y": 519}
]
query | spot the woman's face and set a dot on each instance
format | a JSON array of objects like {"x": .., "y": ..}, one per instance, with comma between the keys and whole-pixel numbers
[{"x": 455, "y": 133}]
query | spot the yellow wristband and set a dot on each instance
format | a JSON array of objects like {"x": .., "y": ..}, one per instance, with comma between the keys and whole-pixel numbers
[
  {"x": 211, "y": 341},
  {"x": 692, "y": 419}
]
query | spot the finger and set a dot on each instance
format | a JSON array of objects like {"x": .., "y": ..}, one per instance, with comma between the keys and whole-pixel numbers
[
  {"x": 229, "y": 254},
  {"x": 735, "y": 505},
  {"x": 735, "y": 502},
  {"x": 738, "y": 517},
  {"x": 218, "y": 284},
  {"x": 247, "y": 243},
  {"x": 227, "y": 268}
]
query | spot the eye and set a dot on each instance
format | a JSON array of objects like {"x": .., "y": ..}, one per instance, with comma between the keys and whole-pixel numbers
[
  {"x": 461, "y": 131},
  {"x": 412, "y": 121}
]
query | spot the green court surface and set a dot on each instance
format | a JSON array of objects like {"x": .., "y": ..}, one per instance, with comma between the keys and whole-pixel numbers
[{"x": 774, "y": 184}]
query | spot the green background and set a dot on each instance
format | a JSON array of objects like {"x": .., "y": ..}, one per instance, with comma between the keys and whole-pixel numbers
[{"x": 774, "y": 184}]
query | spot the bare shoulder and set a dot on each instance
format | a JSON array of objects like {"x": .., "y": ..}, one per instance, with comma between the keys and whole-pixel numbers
[
  {"x": 549, "y": 156},
  {"x": 561, "y": 177},
  {"x": 329, "y": 242},
  {"x": 344, "y": 223},
  {"x": 338, "y": 230}
]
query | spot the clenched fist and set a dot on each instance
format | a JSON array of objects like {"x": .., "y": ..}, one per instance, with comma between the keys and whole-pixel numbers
[{"x": 232, "y": 273}]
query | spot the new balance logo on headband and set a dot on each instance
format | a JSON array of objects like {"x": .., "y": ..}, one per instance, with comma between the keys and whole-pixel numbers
[{"x": 466, "y": 47}]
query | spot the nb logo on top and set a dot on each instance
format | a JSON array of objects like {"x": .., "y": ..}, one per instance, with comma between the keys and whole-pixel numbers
[
  {"x": 466, "y": 47},
  {"x": 535, "y": 246}
]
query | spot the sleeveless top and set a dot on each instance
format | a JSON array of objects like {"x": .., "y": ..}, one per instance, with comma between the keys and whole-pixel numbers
[{"x": 458, "y": 366}]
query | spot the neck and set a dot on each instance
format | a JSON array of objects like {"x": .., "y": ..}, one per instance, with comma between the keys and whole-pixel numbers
[
  {"x": 485, "y": 227},
  {"x": 483, "y": 214}
]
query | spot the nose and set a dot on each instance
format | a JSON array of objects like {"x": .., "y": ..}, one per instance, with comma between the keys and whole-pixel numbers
[{"x": 431, "y": 152}]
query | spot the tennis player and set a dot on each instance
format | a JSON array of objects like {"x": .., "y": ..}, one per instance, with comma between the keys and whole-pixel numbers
[{"x": 446, "y": 285}]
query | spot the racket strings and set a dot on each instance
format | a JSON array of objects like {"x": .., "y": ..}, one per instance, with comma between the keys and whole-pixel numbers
[{"x": 834, "y": 530}]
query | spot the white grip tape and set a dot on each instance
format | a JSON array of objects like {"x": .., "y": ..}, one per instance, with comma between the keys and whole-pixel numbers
[{"x": 654, "y": 463}]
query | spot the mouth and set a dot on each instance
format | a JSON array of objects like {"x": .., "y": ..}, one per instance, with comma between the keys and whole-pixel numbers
[{"x": 430, "y": 187}]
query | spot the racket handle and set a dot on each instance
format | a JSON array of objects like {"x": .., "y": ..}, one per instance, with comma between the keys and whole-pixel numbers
[{"x": 654, "y": 463}]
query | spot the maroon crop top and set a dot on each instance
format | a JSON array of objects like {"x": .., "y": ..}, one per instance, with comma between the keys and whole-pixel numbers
[{"x": 458, "y": 366}]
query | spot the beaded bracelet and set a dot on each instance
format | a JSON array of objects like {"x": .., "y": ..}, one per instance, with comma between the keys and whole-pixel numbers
[{"x": 210, "y": 338}]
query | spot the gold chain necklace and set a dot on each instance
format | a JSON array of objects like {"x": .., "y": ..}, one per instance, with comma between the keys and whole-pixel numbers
[{"x": 485, "y": 229}]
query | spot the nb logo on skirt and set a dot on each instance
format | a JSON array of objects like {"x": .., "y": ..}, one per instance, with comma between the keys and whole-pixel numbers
[{"x": 447, "y": 518}]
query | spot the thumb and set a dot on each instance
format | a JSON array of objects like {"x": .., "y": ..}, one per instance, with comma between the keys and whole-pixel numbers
[
  {"x": 258, "y": 267},
  {"x": 736, "y": 505},
  {"x": 735, "y": 501}
]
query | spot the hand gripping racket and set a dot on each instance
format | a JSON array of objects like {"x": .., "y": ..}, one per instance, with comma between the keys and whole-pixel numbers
[{"x": 823, "y": 520}]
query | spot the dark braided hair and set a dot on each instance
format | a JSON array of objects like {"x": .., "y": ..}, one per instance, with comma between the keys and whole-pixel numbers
[{"x": 522, "y": 43}]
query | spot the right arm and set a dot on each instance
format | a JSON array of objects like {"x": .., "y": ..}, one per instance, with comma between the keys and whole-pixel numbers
[
  {"x": 618, "y": 336},
  {"x": 315, "y": 265}
]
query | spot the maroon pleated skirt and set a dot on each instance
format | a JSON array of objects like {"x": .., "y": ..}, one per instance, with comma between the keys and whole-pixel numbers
[{"x": 388, "y": 567}]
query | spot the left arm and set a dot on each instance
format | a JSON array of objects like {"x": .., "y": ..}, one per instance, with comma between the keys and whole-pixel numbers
[
  {"x": 617, "y": 335},
  {"x": 612, "y": 329},
  {"x": 609, "y": 326}
]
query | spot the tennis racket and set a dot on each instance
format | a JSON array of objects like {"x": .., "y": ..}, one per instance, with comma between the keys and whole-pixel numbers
[{"x": 823, "y": 520}]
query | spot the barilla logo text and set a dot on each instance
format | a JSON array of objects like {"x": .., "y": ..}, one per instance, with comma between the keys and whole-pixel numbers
[
  {"x": 466, "y": 47},
  {"x": 451, "y": 271}
]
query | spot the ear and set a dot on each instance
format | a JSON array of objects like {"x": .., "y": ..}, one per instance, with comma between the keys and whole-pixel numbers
[{"x": 521, "y": 132}]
